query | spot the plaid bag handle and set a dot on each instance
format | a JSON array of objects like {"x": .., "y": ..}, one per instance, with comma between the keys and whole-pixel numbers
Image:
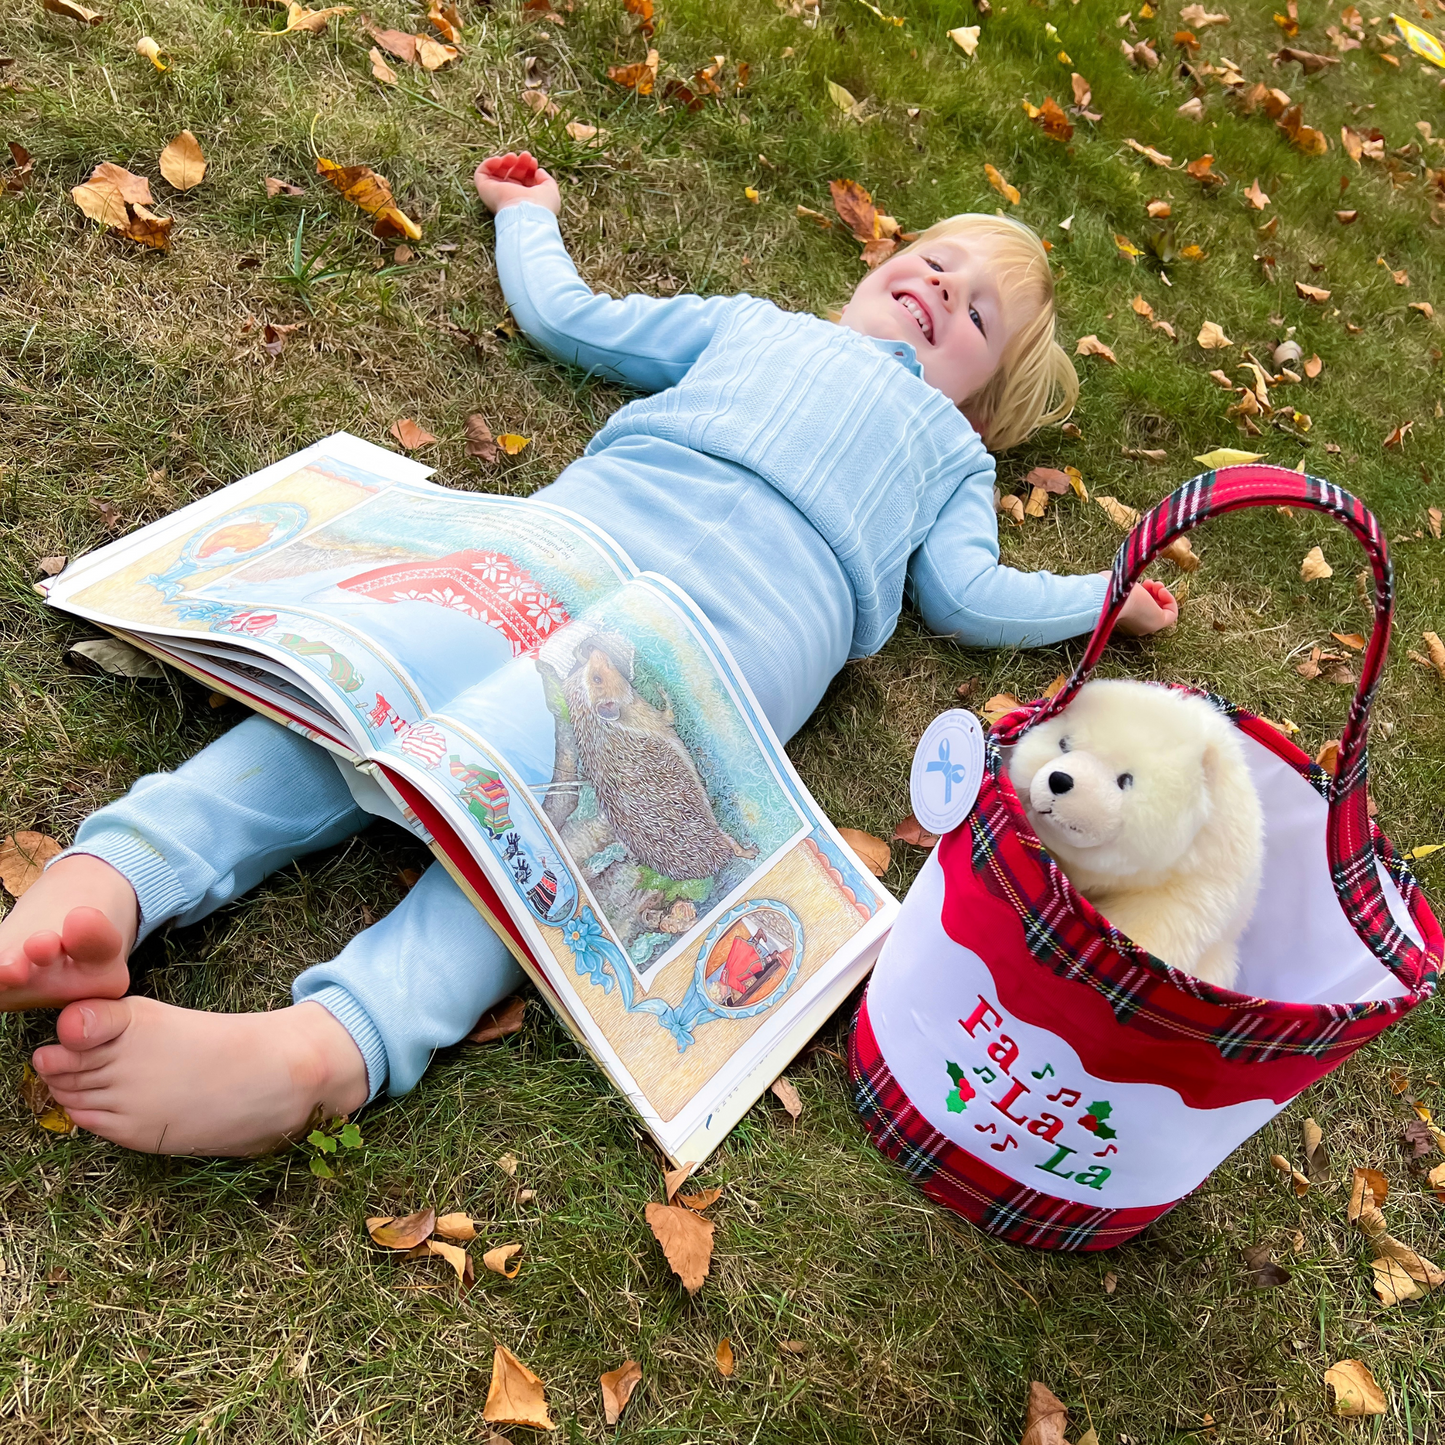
[{"x": 1349, "y": 834}]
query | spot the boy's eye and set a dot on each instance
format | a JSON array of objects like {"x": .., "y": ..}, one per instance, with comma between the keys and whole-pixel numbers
[
  {"x": 977, "y": 320},
  {"x": 929, "y": 261}
]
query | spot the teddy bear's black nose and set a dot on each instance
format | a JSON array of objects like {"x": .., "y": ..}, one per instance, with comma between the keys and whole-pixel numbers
[{"x": 1060, "y": 782}]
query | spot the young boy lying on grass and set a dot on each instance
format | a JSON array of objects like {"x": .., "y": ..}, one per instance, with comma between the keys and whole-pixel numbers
[{"x": 790, "y": 474}]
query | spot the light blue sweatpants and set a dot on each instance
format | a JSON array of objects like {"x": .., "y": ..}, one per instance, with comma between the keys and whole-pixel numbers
[{"x": 261, "y": 796}]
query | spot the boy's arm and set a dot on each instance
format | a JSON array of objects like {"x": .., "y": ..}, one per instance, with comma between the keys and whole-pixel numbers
[
  {"x": 644, "y": 341},
  {"x": 962, "y": 590}
]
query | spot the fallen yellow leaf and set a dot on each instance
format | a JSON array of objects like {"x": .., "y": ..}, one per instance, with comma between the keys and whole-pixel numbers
[
  {"x": 150, "y": 50},
  {"x": 997, "y": 180},
  {"x": 182, "y": 162},
  {"x": 999, "y": 706},
  {"x": 379, "y": 68},
  {"x": 433, "y": 54},
  {"x": 1314, "y": 568},
  {"x": 966, "y": 37},
  {"x": 1355, "y": 1390},
  {"x": 511, "y": 443},
  {"x": 674, "y": 1179},
  {"x": 36, "y": 1092},
  {"x": 300, "y": 20},
  {"x": 363, "y": 187},
  {"x": 458, "y": 1227},
  {"x": 726, "y": 1361},
  {"x": 457, "y": 1257},
  {"x": 497, "y": 1260},
  {"x": 701, "y": 1201},
  {"x": 1119, "y": 513},
  {"x": 1311, "y": 293},
  {"x": 1181, "y": 554},
  {"x": 1212, "y": 338},
  {"x": 1226, "y": 457},
  {"x": 1149, "y": 153},
  {"x": 516, "y": 1396},
  {"x": 1092, "y": 346}
]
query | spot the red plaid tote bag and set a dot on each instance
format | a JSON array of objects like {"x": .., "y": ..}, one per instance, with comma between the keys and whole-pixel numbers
[{"x": 1037, "y": 1072}]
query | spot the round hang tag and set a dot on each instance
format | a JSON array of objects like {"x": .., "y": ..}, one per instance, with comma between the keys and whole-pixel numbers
[{"x": 947, "y": 771}]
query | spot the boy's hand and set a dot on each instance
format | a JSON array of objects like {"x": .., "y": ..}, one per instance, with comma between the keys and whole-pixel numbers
[
  {"x": 504, "y": 180},
  {"x": 1150, "y": 607}
]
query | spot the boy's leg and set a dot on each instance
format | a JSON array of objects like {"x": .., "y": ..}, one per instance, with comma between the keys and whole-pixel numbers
[
  {"x": 177, "y": 846},
  {"x": 175, "y": 1081}
]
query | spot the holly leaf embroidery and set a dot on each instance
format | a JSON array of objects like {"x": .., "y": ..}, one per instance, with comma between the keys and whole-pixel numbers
[{"x": 954, "y": 1072}]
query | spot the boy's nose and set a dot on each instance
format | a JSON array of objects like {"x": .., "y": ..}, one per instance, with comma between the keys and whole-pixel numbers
[{"x": 945, "y": 288}]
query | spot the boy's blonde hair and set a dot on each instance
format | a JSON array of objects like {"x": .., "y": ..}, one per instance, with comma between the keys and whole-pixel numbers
[{"x": 1035, "y": 383}]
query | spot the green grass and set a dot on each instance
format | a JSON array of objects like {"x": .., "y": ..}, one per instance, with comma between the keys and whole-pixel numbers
[{"x": 237, "y": 1302}]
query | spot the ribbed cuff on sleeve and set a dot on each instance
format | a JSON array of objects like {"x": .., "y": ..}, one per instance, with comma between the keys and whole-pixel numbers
[
  {"x": 158, "y": 888},
  {"x": 357, "y": 1022}
]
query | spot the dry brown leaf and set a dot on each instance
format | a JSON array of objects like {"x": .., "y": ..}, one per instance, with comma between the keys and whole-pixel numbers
[
  {"x": 618, "y": 1385},
  {"x": 1212, "y": 338},
  {"x": 1038, "y": 502},
  {"x": 1119, "y": 513},
  {"x": 499, "y": 1020},
  {"x": 1202, "y": 171},
  {"x": 1393, "y": 1283},
  {"x": 1424, "y": 308},
  {"x": 1141, "y": 307},
  {"x": 118, "y": 200},
  {"x": 1145, "y": 454},
  {"x": 1311, "y": 293},
  {"x": 457, "y": 1227},
  {"x": 1296, "y": 1179},
  {"x": 1355, "y": 1390},
  {"x": 458, "y": 1258},
  {"x": 1312, "y": 1138},
  {"x": 1255, "y": 196},
  {"x": 856, "y": 209},
  {"x": 1000, "y": 183},
  {"x": 1198, "y": 18},
  {"x": 1314, "y": 568},
  {"x": 787, "y": 1092},
  {"x": 516, "y": 1396},
  {"x": 1303, "y": 137},
  {"x": 1350, "y": 639},
  {"x": 497, "y": 1259},
  {"x": 1055, "y": 124},
  {"x": 873, "y": 852},
  {"x": 793, "y": 1347},
  {"x": 1046, "y": 1418},
  {"x": 276, "y": 187},
  {"x": 686, "y": 1240},
  {"x": 23, "y": 857},
  {"x": 1436, "y": 519},
  {"x": 588, "y": 135},
  {"x": 406, "y": 1232},
  {"x": 363, "y": 187},
  {"x": 52, "y": 566},
  {"x": 1259, "y": 1260},
  {"x": 1313, "y": 367},
  {"x": 999, "y": 706},
  {"x": 396, "y": 43},
  {"x": 72, "y": 11},
  {"x": 726, "y": 1361},
  {"x": 379, "y": 68},
  {"x": 641, "y": 76},
  {"x": 1181, "y": 554},
  {"x": 1051, "y": 479},
  {"x": 1092, "y": 346},
  {"x": 1083, "y": 94},
  {"x": 1396, "y": 439},
  {"x": 182, "y": 162},
  {"x": 1012, "y": 507},
  {"x": 699, "y": 1202},
  {"x": 410, "y": 435},
  {"x": 508, "y": 1165},
  {"x": 38, "y": 1099},
  {"x": 911, "y": 831},
  {"x": 674, "y": 1179},
  {"x": 1366, "y": 1182}
]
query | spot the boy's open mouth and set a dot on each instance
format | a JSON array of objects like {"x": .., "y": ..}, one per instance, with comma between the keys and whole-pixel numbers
[{"x": 918, "y": 311}]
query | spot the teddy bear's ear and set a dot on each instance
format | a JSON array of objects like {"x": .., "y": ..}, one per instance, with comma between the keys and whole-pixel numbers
[{"x": 1210, "y": 762}]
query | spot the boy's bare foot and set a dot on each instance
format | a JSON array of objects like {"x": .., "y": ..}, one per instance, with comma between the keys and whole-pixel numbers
[
  {"x": 68, "y": 936},
  {"x": 167, "y": 1080}
]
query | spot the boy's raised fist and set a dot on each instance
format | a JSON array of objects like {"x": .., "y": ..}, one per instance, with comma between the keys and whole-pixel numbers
[{"x": 505, "y": 180}]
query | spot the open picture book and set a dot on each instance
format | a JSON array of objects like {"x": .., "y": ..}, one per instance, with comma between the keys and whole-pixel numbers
[{"x": 568, "y": 735}]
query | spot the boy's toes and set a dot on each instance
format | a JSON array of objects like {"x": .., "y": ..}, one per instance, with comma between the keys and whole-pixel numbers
[
  {"x": 94, "y": 1021},
  {"x": 59, "y": 1066},
  {"x": 89, "y": 936},
  {"x": 15, "y": 971},
  {"x": 44, "y": 948}
]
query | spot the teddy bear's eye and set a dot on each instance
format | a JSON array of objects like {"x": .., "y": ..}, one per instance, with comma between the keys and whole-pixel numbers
[
  {"x": 1125, "y": 780},
  {"x": 1063, "y": 745}
]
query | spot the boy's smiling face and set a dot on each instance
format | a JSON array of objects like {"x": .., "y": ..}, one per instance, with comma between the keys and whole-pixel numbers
[{"x": 944, "y": 300}]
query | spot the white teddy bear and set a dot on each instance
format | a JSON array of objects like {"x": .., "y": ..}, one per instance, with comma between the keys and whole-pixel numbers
[{"x": 1143, "y": 796}]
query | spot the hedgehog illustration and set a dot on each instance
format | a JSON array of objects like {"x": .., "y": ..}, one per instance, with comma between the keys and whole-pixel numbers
[{"x": 647, "y": 786}]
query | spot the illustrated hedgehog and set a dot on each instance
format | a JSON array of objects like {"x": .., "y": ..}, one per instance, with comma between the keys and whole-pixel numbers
[{"x": 647, "y": 787}]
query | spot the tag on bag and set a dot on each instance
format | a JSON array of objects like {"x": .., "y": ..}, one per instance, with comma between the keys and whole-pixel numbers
[{"x": 947, "y": 771}]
